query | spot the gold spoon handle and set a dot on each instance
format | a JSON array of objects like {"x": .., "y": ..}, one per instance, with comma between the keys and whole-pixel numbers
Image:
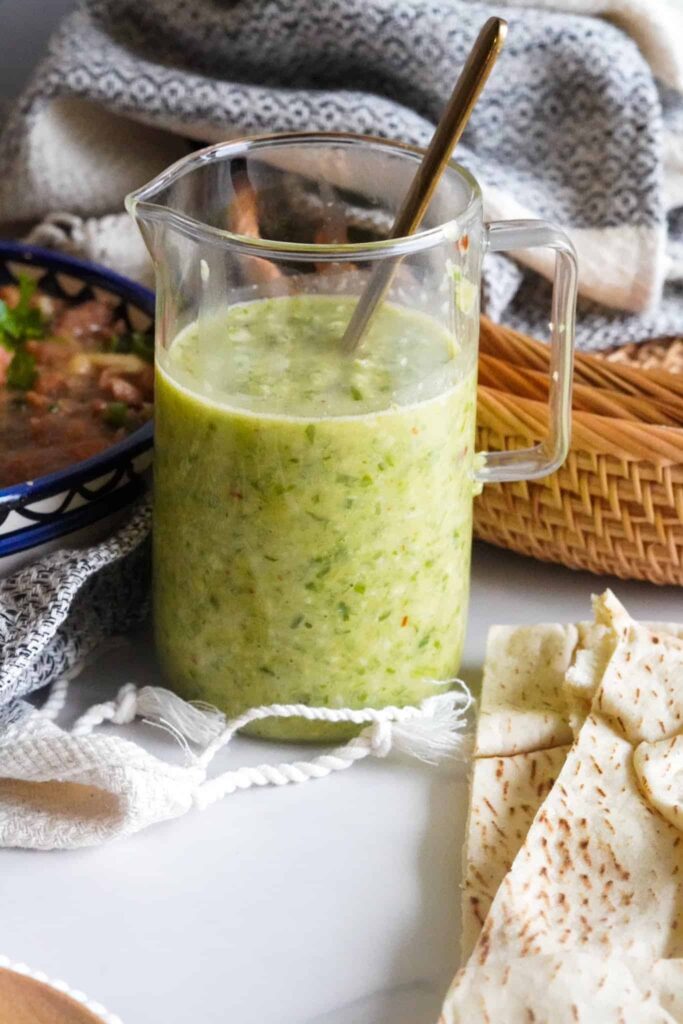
[{"x": 471, "y": 81}]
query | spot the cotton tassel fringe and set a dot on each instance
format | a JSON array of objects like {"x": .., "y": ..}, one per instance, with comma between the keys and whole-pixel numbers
[
  {"x": 198, "y": 723},
  {"x": 430, "y": 731},
  {"x": 439, "y": 731}
]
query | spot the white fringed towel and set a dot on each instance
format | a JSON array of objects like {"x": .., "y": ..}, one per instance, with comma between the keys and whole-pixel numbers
[{"x": 64, "y": 789}]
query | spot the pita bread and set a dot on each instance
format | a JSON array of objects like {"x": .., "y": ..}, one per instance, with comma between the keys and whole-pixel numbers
[
  {"x": 595, "y": 647},
  {"x": 539, "y": 681},
  {"x": 522, "y": 663},
  {"x": 506, "y": 794},
  {"x": 574, "y": 987},
  {"x": 598, "y": 875},
  {"x": 666, "y": 978},
  {"x": 642, "y": 688},
  {"x": 598, "y": 869},
  {"x": 596, "y": 644},
  {"x": 522, "y": 704},
  {"x": 659, "y": 770}
]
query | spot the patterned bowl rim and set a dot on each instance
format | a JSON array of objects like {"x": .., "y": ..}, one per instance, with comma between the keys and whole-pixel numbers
[{"x": 139, "y": 440}]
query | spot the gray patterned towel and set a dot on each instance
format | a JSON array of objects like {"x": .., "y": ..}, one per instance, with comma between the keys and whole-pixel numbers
[
  {"x": 55, "y": 613},
  {"x": 581, "y": 123}
]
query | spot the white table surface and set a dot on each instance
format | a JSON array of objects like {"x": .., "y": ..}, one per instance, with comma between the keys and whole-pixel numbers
[{"x": 335, "y": 902}]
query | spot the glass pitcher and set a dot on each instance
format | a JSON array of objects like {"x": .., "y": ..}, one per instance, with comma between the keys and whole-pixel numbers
[{"x": 313, "y": 506}]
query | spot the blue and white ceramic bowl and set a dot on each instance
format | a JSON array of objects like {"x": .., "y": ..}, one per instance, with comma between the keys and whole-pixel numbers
[{"x": 80, "y": 504}]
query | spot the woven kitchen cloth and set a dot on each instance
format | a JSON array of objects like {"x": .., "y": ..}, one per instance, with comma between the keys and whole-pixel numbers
[
  {"x": 581, "y": 123},
  {"x": 56, "y": 612}
]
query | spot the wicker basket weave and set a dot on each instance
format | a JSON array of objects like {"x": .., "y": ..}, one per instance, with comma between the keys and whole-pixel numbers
[{"x": 616, "y": 506}]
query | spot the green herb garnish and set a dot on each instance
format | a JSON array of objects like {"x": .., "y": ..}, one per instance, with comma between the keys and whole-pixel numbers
[
  {"x": 134, "y": 342},
  {"x": 22, "y": 372},
  {"x": 142, "y": 345},
  {"x": 17, "y": 326},
  {"x": 24, "y": 321},
  {"x": 115, "y": 414}
]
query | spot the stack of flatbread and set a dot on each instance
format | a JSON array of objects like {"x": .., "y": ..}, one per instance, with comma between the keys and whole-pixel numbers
[{"x": 573, "y": 891}]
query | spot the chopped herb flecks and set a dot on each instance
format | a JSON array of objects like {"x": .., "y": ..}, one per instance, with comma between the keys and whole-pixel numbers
[
  {"x": 115, "y": 414},
  {"x": 22, "y": 371},
  {"x": 17, "y": 326},
  {"x": 135, "y": 343}
]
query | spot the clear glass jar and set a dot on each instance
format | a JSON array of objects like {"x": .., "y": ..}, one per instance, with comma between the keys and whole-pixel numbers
[{"x": 313, "y": 507}]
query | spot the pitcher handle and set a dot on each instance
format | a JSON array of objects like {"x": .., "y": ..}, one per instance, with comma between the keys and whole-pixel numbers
[{"x": 543, "y": 458}]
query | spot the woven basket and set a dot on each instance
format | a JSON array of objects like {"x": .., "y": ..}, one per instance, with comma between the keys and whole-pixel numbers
[{"x": 616, "y": 505}]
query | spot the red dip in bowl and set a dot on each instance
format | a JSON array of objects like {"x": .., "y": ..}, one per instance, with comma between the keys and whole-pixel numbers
[{"x": 73, "y": 380}]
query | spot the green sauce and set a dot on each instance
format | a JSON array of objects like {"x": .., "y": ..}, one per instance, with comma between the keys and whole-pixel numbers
[{"x": 312, "y": 521}]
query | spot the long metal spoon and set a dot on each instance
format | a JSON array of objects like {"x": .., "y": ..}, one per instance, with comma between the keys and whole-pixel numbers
[{"x": 471, "y": 81}]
